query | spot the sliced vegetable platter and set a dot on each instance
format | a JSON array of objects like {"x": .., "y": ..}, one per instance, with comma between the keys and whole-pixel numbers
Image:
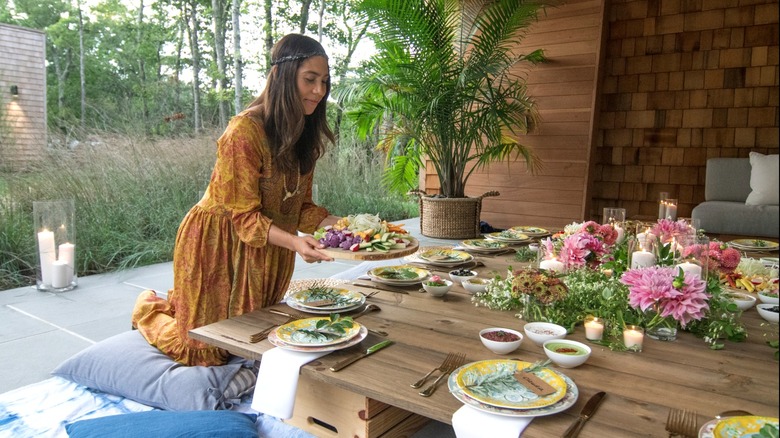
[{"x": 366, "y": 237}]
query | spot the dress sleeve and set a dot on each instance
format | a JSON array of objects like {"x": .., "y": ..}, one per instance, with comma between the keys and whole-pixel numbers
[
  {"x": 311, "y": 213},
  {"x": 239, "y": 166}
]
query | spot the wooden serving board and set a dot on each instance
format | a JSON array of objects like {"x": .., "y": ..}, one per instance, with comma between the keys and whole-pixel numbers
[{"x": 345, "y": 254}]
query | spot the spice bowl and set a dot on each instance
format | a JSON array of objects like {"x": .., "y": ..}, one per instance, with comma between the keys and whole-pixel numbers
[
  {"x": 458, "y": 275},
  {"x": 567, "y": 353},
  {"x": 769, "y": 312},
  {"x": 540, "y": 332},
  {"x": 501, "y": 340},
  {"x": 474, "y": 285},
  {"x": 769, "y": 297},
  {"x": 742, "y": 300},
  {"x": 437, "y": 290}
]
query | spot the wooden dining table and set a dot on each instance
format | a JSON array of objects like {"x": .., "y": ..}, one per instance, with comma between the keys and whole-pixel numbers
[{"x": 641, "y": 387}]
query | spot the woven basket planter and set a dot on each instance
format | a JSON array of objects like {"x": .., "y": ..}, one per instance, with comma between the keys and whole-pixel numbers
[{"x": 450, "y": 218}]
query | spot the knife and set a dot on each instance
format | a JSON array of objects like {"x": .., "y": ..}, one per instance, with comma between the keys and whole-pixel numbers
[
  {"x": 371, "y": 350},
  {"x": 587, "y": 411}
]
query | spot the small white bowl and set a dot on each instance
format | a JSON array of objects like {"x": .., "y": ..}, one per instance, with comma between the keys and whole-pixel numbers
[
  {"x": 769, "y": 299},
  {"x": 763, "y": 310},
  {"x": 567, "y": 360},
  {"x": 501, "y": 347},
  {"x": 459, "y": 278},
  {"x": 474, "y": 285},
  {"x": 437, "y": 291},
  {"x": 540, "y": 332},
  {"x": 742, "y": 300}
]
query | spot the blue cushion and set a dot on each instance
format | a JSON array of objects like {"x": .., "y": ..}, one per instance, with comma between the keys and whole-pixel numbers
[
  {"x": 193, "y": 424},
  {"x": 127, "y": 365}
]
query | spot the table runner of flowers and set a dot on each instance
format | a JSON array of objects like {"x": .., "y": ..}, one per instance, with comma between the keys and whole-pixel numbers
[{"x": 597, "y": 281}]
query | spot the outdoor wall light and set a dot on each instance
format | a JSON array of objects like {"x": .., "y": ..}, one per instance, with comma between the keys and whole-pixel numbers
[{"x": 14, "y": 90}]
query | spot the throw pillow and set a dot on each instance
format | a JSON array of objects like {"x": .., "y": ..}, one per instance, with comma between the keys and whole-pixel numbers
[
  {"x": 128, "y": 366},
  {"x": 195, "y": 424},
  {"x": 764, "y": 179}
]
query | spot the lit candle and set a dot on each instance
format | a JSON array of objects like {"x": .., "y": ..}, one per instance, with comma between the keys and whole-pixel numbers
[
  {"x": 642, "y": 259},
  {"x": 621, "y": 233},
  {"x": 662, "y": 209},
  {"x": 551, "y": 265},
  {"x": 47, "y": 254},
  {"x": 594, "y": 329},
  {"x": 61, "y": 274},
  {"x": 66, "y": 254},
  {"x": 633, "y": 337},
  {"x": 690, "y": 268},
  {"x": 671, "y": 211}
]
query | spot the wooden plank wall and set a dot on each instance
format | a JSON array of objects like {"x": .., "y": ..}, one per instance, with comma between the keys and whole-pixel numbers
[
  {"x": 565, "y": 90},
  {"x": 22, "y": 118}
]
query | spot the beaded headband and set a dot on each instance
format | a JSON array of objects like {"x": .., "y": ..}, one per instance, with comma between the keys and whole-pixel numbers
[{"x": 297, "y": 57}]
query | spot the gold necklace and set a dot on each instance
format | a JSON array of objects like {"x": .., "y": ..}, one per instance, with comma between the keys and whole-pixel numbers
[{"x": 287, "y": 193}]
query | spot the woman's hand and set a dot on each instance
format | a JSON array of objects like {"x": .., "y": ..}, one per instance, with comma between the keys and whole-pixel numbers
[{"x": 307, "y": 247}]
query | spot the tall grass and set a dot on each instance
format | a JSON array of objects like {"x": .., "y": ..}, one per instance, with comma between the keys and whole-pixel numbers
[{"x": 131, "y": 194}]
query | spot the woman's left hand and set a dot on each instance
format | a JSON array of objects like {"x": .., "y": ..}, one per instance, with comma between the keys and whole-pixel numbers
[{"x": 307, "y": 247}]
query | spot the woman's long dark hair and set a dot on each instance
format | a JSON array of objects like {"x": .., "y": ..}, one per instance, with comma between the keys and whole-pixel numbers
[{"x": 295, "y": 138}]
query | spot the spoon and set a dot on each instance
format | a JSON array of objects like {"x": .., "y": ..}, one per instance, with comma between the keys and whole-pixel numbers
[{"x": 732, "y": 413}]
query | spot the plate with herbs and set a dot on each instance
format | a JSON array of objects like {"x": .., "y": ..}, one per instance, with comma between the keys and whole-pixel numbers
[
  {"x": 508, "y": 236},
  {"x": 531, "y": 231},
  {"x": 568, "y": 400},
  {"x": 398, "y": 275},
  {"x": 493, "y": 382},
  {"x": 754, "y": 245},
  {"x": 446, "y": 256},
  {"x": 274, "y": 340},
  {"x": 323, "y": 298},
  {"x": 318, "y": 332},
  {"x": 484, "y": 245}
]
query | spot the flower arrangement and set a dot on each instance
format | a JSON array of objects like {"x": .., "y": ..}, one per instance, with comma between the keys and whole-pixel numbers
[
  {"x": 581, "y": 245},
  {"x": 667, "y": 293},
  {"x": 435, "y": 280},
  {"x": 665, "y": 230}
]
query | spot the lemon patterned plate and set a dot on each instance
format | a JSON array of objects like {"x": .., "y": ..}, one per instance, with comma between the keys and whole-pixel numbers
[
  {"x": 509, "y": 236},
  {"x": 299, "y": 333},
  {"x": 743, "y": 427},
  {"x": 492, "y": 382},
  {"x": 484, "y": 245},
  {"x": 337, "y": 299},
  {"x": 531, "y": 231},
  {"x": 754, "y": 244},
  {"x": 399, "y": 274},
  {"x": 446, "y": 256}
]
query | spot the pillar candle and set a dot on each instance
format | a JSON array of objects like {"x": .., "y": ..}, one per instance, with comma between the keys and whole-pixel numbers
[
  {"x": 642, "y": 259},
  {"x": 690, "y": 268},
  {"x": 633, "y": 337},
  {"x": 662, "y": 209},
  {"x": 594, "y": 329},
  {"x": 551, "y": 265},
  {"x": 46, "y": 254},
  {"x": 67, "y": 254},
  {"x": 60, "y": 274},
  {"x": 621, "y": 233},
  {"x": 671, "y": 211}
]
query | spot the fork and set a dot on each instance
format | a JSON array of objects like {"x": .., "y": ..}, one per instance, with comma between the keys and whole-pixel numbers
[
  {"x": 458, "y": 361},
  {"x": 682, "y": 422},
  {"x": 451, "y": 356},
  {"x": 259, "y": 336}
]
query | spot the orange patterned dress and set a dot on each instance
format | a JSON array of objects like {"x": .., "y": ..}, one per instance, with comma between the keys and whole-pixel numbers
[{"x": 222, "y": 263}]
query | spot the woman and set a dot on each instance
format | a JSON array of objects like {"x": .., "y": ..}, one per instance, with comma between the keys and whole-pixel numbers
[{"x": 235, "y": 250}]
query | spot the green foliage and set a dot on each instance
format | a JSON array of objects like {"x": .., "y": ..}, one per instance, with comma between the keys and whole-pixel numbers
[{"x": 445, "y": 86}]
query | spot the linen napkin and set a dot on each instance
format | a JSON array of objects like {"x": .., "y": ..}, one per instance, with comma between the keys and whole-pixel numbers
[
  {"x": 471, "y": 423},
  {"x": 277, "y": 381}
]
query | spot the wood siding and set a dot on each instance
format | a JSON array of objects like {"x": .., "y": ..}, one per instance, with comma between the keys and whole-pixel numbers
[{"x": 22, "y": 118}]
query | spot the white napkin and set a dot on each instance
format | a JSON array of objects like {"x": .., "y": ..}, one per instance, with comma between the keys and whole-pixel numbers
[
  {"x": 471, "y": 423},
  {"x": 277, "y": 381}
]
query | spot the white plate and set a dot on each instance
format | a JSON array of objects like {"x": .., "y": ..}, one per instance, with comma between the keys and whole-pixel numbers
[
  {"x": 292, "y": 333},
  {"x": 300, "y": 308},
  {"x": 341, "y": 298},
  {"x": 274, "y": 339},
  {"x": 376, "y": 275}
]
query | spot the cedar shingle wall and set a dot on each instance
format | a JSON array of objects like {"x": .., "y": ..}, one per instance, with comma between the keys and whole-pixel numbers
[
  {"x": 22, "y": 119},
  {"x": 684, "y": 81}
]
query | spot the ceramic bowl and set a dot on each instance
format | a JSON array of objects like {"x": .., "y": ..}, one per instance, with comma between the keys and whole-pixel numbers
[
  {"x": 474, "y": 285},
  {"x": 501, "y": 347},
  {"x": 438, "y": 291},
  {"x": 742, "y": 300},
  {"x": 769, "y": 299},
  {"x": 566, "y": 353},
  {"x": 539, "y": 332},
  {"x": 766, "y": 313},
  {"x": 456, "y": 277}
]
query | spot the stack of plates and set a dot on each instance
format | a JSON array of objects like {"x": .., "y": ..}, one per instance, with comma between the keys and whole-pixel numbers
[
  {"x": 485, "y": 246},
  {"x": 399, "y": 275},
  {"x": 531, "y": 231},
  {"x": 490, "y": 386},
  {"x": 291, "y": 337},
  {"x": 509, "y": 236},
  {"x": 445, "y": 257},
  {"x": 754, "y": 245},
  {"x": 742, "y": 426},
  {"x": 324, "y": 300}
]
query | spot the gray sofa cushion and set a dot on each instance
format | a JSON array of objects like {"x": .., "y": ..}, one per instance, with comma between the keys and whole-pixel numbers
[
  {"x": 727, "y": 179},
  {"x": 721, "y": 217}
]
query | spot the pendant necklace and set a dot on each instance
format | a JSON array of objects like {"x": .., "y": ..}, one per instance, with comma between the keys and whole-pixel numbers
[{"x": 287, "y": 193}]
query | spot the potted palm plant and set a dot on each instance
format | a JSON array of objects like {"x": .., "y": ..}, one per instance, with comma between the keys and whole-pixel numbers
[{"x": 444, "y": 88}]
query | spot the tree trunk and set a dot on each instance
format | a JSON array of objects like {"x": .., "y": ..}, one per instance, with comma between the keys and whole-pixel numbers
[
  {"x": 341, "y": 69},
  {"x": 268, "y": 30},
  {"x": 304, "y": 15},
  {"x": 141, "y": 64},
  {"x": 192, "y": 29},
  {"x": 237, "y": 61},
  {"x": 182, "y": 23},
  {"x": 319, "y": 23},
  {"x": 218, "y": 19},
  {"x": 82, "y": 81}
]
